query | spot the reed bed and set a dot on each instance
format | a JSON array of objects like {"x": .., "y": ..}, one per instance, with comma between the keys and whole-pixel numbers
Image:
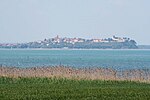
[{"x": 142, "y": 75}]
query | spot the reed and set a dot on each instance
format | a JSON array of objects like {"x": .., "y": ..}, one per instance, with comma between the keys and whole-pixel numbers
[{"x": 142, "y": 75}]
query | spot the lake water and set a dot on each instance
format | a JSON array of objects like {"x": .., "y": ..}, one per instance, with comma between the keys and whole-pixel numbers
[{"x": 118, "y": 59}]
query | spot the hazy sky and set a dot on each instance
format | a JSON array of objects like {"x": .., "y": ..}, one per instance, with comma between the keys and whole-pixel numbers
[{"x": 30, "y": 20}]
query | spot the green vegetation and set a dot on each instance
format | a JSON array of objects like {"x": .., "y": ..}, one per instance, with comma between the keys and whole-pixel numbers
[{"x": 65, "y": 89}]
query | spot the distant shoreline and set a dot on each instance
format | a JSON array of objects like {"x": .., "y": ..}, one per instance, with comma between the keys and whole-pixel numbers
[{"x": 62, "y": 49}]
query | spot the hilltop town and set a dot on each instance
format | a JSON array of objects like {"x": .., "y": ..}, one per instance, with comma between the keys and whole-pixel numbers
[{"x": 79, "y": 43}]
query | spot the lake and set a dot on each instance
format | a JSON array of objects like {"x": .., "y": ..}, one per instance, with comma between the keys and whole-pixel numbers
[{"x": 117, "y": 59}]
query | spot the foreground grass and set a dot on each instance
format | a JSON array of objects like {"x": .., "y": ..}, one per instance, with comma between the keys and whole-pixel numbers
[{"x": 65, "y": 89}]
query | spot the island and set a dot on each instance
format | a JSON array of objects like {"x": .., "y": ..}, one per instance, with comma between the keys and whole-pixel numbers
[{"x": 77, "y": 43}]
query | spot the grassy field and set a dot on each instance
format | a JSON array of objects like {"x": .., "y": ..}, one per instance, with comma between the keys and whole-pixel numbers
[{"x": 65, "y": 89}]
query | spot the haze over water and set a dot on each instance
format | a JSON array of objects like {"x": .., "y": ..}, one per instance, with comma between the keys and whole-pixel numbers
[
  {"x": 118, "y": 59},
  {"x": 32, "y": 20}
]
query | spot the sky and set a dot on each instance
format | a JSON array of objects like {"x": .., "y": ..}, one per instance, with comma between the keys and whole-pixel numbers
[{"x": 31, "y": 20}]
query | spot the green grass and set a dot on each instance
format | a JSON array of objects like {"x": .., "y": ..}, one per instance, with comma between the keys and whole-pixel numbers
[{"x": 65, "y": 89}]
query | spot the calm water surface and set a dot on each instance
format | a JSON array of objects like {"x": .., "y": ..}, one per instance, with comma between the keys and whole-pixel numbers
[{"x": 118, "y": 59}]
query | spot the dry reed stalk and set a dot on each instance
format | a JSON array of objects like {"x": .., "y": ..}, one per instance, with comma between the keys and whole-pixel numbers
[{"x": 82, "y": 73}]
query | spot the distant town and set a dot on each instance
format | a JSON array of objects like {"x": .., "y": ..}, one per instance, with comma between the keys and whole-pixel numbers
[{"x": 78, "y": 43}]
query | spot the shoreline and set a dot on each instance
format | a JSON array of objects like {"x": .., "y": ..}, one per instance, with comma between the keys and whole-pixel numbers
[{"x": 68, "y": 49}]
